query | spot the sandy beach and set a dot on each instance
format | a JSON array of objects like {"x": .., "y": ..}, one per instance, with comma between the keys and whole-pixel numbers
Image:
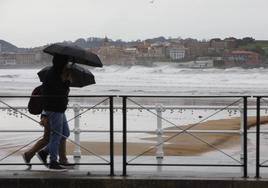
[{"x": 183, "y": 144}]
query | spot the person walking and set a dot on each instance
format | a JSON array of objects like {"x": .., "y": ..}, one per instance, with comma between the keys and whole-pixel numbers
[{"x": 55, "y": 94}]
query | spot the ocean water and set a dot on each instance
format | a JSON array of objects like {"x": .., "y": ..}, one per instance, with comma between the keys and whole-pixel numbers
[
  {"x": 136, "y": 80},
  {"x": 151, "y": 80}
]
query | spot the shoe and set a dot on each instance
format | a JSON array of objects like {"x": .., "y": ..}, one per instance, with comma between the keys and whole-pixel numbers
[
  {"x": 27, "y": 160},
  {"x": 42, "y": 155},
  {"x": 67, "y": 165},
  {"x": 55, "y": 166}
]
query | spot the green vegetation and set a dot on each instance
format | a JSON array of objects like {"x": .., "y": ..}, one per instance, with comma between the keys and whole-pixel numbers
[{"x": 259, "y": 46}]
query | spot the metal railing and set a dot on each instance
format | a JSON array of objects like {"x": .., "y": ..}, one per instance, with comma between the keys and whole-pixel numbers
[
  {"x": 76, "y": 142},
  {"x": 129, "y": 163},
  {"x": 150, "y": 108}
]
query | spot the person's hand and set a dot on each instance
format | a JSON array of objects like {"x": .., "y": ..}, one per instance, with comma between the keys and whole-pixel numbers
[
  {"x": 69, "y": 77},
  {"x": 44, "y": 121},
  {"x": 66, "y": 75}
]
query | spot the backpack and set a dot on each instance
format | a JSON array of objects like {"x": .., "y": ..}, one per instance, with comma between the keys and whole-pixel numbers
[{"x": 35, "y": 104}]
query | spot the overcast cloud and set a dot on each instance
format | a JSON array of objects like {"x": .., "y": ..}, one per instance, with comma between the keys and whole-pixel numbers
[{"x": 29, "y": 23}]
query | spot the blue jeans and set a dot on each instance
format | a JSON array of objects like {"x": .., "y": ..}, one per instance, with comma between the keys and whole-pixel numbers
[{"x": 58, "y": 127}]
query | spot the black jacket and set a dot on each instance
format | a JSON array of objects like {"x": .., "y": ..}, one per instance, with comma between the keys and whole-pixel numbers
[{"x": 55, "y": 92}]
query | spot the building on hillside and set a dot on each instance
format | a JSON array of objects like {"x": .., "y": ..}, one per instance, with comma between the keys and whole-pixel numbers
[
  {"x": 196, "y": 49},
  {"x": 142, "y": 50},
  {"x": 157, "y": 51},
  {"x": 18, "y": 59},
  {"x": 230, "y": 43},
  {"x": 7, "y": 59},
  {"x": 26, "y": 58},
  {"x": 242, "y": 58},
  {"x": 176, "y": 52},
  {"x": 217, "y": 44},
  {"x": 116, "y": 55},
  {"x": 148, "y": 53},
  {"x": 131, "y": 50},
  {"x": 219, "y": 47}
]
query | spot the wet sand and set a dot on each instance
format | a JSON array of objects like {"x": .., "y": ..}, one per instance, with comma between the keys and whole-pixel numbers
[{"x": 181, "y": 145}]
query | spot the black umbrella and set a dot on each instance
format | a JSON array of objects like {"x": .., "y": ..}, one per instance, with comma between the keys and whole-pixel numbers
[
  {"x": 75, "y": 54},
  {"x": 80, "y": 76}
]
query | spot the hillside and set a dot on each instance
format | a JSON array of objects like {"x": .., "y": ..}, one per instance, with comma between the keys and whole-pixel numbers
[
  {"x": 8, "y": 47},
  {"x": 259, "y": 46}
]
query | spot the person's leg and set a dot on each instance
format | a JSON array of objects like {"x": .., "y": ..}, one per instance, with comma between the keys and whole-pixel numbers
[
  {"x": 28, "y": 155},
  {"x": 40, "y": 143},
  {"x": 37, "y": 146},
  {"x": 56, "y": 127},
  {"x": 42, "y": 155},
  {"x": 62, "y": 151},
  {"x": 66, "y": 133},
  {"x": 56, "y": 130}
]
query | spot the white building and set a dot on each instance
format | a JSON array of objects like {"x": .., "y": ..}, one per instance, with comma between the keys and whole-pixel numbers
[
  {"x": 8, "y": 59},
  {"x": 199, "y": 64},
  {"x": 203, "y": 64},
  {"x": 176, "y": 52}
]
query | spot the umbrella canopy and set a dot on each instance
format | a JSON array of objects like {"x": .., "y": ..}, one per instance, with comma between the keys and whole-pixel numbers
[
  {"x": 75, "y": 54},
  {"x": 80, "y": 76}
]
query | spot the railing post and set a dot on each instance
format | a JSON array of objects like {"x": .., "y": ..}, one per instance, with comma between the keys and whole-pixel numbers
[
  {"x": 241, "y": 110},
  {"x": 111, "y": 136},
  {"x": 159, "y": 133},
  {"x": 245, "y": 137},
  {"x": 124, "y": 110},
  {"x": 77, "y": 150},
  {"x": 258, "y": 137}
]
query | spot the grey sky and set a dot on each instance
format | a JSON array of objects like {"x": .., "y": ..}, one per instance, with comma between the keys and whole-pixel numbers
[{"x": 29, "y": 23}]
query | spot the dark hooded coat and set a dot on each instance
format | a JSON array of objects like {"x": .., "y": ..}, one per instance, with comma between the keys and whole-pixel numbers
[{"x": 55, "y": 90}]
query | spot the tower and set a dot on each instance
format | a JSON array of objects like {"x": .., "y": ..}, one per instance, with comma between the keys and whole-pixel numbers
[{"x": 106, "y": 41}]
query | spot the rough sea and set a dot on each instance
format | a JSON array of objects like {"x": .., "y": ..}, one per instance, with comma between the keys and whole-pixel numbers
[{"x": 158, "y": 80}]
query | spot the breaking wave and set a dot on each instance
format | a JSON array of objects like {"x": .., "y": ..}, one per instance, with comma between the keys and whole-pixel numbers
[{"x": 115, "y": 79}]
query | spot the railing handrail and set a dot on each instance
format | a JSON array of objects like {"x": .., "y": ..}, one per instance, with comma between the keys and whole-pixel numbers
[
  {"x": 143, "y": 131},
  {"x": 151, "y": 107},
  {"x": 145, "y": 96},
  {"x": 186, "y": 96},
  {"x": 72, "y": 96}
]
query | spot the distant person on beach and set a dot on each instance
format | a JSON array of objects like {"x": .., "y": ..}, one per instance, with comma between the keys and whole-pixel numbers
[
  {"x": 43, "y": 142},
  {"x": 56, "y": 88}
]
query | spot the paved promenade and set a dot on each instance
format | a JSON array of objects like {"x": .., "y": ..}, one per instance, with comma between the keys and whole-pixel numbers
[{"x": 80, "y": 179}]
